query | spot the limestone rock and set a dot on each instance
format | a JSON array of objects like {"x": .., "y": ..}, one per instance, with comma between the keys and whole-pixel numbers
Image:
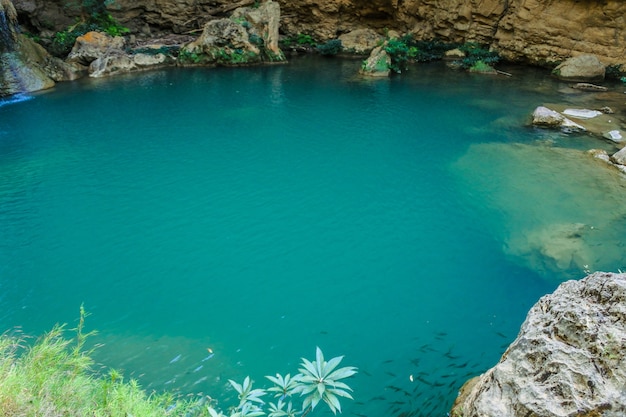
[
  {"x": 599, "y": 154},
  {"x": 116, "y": 63},
  {"x": 361, "y": 41},
  {"x": 619, "y": 157},
  {"x": 569, "y": 358},
  {"x": 589, "y": 87},
  {"x": 543, "y": 116},
  {"x": 530, "y": 31},
  {"x": 582, "y": 113},
  {"x": 262, "y": 24},
  {"x": 580, "y": 68},
  {"x": 224, "y": 42},
  {"x": 377, "y": 64},
  {"x": 614, "y": 136},
  {"x": 93, "y": 45},
  {"x": 20, "y": 69},
  {"x": 250, "y": 36},
  {"x": 455, "y": 53}
]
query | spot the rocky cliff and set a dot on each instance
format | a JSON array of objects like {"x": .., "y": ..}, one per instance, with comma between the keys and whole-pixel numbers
[
  {"x": 569, "y": 358},
  {"x": 531, "y": 31}
]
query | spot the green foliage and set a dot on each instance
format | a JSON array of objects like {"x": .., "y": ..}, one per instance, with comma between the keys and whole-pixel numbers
[
  {"x": 304, "y": 39},
  {"x": 332, "y": 47},
  {"x": 62, "y": 42},
  {"x": 226, "y": 56},
  {"x": 400, "y": 52},
  {"x": 474, "y": 53},
  {"x": 614, "y": 72},
  {"x": 54, "y": 377},
  {"x": 481, "y": 67},
  {"x": 188, "y": 57},
  {"x": 318, "y": 381}
]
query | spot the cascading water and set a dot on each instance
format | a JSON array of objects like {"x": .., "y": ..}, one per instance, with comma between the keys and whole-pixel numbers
[
  {"x": 15, "y": 75},
  {"x": 8, "y": 26}
]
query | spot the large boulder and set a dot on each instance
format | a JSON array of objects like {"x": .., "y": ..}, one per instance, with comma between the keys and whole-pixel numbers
[
  {"x": 361, "y": 41},
  {"x": 569, "y": 358},
  {"x": 117, "y": 63},
  {"x": 93, "y": 45},
  {"x": 262, "y": 24},
  {"x": 249, "y": 36},
  {"x": 583, "y": 68},
  {"x": 378, "y": 64},
  {"x": 545, "y": 117}
]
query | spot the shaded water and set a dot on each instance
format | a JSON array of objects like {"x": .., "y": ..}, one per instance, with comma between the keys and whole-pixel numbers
[{"x": 261, "y": 212}]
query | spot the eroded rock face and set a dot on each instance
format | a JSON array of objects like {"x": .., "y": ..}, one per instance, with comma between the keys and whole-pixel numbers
[
  {"x": 568, "y": 360},
  {"x": 532, "y": 31},
  {"x": 20, "y": 58},
  {"x": 361, "y": 41},
  {"x": 249, "y": 36}
]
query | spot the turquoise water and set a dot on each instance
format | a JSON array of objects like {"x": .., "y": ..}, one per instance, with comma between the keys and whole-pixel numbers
[{"x": 261, "y": 212}]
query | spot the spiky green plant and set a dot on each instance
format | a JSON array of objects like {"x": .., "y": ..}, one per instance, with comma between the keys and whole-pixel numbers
[{"x": 319, "y": 381}]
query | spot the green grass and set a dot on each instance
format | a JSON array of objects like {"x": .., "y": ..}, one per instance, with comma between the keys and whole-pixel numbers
[{"x": 53, "y": 376}]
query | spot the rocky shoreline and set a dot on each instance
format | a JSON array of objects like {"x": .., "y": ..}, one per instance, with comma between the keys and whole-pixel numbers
[
  {"x": 568, "y": 359},
  {"x": 569, "y": 356}
]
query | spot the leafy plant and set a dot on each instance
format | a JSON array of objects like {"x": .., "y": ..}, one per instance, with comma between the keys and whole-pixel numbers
[
  {"x": 400, "y": 53},
  {"x": 318, "y": 381},
  {"x": 304, "y": 39},
  {"x": 63, "y": 41},
  {"x": 332, "y": 47},
  {"x": 474, "y": 53}
]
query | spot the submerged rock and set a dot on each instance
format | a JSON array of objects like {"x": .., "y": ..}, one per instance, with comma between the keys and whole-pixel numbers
[
  {"x": 555, "y": 210},
  {"x": 569, "y": 358}
]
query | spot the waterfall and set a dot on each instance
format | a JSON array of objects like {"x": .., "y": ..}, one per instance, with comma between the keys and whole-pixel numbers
[{"x": 8, "y": 26}]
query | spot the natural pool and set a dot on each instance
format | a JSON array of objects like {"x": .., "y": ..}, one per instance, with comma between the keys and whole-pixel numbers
[{"x": 261, "y": 212}]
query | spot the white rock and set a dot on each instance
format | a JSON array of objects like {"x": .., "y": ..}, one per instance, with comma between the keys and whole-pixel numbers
[
  {"x": 569, "y": 358},
  {"x": 619, "y": 157},
  {"x": 582, "y": 113},
  {"x": 614, "y": 135}
]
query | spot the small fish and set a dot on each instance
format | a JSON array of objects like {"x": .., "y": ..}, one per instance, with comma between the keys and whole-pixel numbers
[
  {"x": 502, "y": 335},
  {"x": 388, "y": 361},
  {"x": 198, "y": 368},
  {"x": 378, "y": 398},
  {"x": 208, "y": 357},
  {"x": 204, "y": 378},
  {"x": 176, "y": 359},
  {"x": 391, "y": 374}
]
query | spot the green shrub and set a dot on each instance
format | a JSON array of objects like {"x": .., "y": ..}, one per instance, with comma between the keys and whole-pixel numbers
[
  {"x": 332, "y": 47},
  {"x": 62, "y": 42},
  {"x": 474, "y": 53},
  {"x": 304, "y": 39},
  {"x": 400, "y": 53},
  {"x": 54, "y": 377}
]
